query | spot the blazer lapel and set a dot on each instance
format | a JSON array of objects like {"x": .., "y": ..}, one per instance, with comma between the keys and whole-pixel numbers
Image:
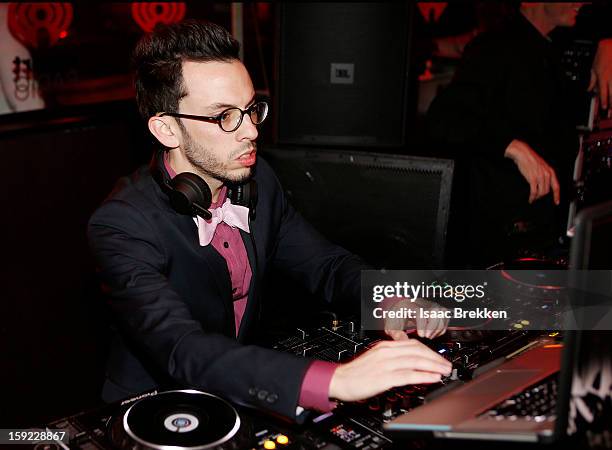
[{"x": 252, "y": 301}]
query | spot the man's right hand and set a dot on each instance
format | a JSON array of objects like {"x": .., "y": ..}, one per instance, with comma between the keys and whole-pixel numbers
[
  {"x": 540, "y": 176},
  {"x": 388, "y": 364}
]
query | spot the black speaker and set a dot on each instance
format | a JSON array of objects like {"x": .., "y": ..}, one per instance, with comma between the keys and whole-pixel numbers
[
  {"x": 390, "y": 209},
  {"x": 342, "y": 73}
]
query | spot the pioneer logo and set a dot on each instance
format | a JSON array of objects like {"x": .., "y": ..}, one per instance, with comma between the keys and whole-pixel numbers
[{"x": 133, "y": 399}]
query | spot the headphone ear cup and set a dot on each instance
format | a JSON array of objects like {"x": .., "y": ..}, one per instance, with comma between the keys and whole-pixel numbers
[
  {"x": 251, "y": 195},
  {"x": 244, "y": 194},
  {"x": 189, "y": 190},
  {"x": 252, "y": 199}
]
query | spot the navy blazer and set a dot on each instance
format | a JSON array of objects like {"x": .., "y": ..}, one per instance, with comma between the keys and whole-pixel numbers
[{"x": 171, "y": 298}]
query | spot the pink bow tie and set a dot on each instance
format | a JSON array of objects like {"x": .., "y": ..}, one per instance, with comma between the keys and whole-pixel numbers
[{"x": 234, "y": 215}]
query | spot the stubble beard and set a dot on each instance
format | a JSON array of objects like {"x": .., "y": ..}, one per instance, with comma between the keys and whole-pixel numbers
[{"x": 207, "y": 164}]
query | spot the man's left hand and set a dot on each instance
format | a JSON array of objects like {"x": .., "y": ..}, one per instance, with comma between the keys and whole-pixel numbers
[{"x": 426, "y": 327}]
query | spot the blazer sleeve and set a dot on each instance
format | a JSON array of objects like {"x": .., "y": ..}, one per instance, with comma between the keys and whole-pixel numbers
[{"x": 132, "y": 261}]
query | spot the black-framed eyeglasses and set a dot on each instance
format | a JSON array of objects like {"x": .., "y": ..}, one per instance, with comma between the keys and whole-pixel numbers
[{"x": 230, "y": 119}]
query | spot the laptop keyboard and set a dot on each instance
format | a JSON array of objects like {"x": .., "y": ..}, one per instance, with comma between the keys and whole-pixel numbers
[{"x": 537, "y": 403}]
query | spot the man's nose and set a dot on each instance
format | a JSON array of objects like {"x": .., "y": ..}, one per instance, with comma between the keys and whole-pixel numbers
[{"x": 247, "y": 130}]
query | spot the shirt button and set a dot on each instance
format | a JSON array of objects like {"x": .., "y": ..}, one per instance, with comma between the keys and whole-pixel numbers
[
  {"x": 226, "y": 244},
  {"x": 261, "y": 395},
  {"x": 272, "y": 398}
]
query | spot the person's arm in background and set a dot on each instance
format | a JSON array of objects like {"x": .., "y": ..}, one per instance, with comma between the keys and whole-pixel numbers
[
  {"x": 20, "y": 95},
  {"x": 601, "y": 74},
  {"x": 467, "y": 114},
  {"x": 593, "y": 24},
  {"x": 537, "y": 172}
]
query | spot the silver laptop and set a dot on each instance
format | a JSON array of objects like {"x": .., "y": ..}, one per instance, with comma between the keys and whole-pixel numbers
[{"x": 515, "y": 401}]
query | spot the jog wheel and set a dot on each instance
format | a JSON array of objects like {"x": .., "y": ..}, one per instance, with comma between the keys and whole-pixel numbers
[{"x": 186, "y": 419}]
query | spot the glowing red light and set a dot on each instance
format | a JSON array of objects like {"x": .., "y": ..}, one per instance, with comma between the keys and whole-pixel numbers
[
  {"x": 39, "y": 24},
  {"x": 149, "y": 14},
  {"x": 431, "y": 11}
]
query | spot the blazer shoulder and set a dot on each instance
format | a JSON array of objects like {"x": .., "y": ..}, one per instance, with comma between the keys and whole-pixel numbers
[
  {"x": 138, "y": 189},
  {"x": 136, "y": 192}
]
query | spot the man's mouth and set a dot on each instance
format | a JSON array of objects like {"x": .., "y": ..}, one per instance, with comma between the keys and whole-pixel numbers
[{"x": 247, "y": 159}]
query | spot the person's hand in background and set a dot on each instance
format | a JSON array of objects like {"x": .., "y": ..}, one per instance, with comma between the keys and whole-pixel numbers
[{"x": 540, "y": 176}]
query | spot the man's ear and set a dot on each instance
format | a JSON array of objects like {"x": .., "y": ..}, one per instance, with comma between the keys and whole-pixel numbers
[{"x": 163, "y": 128}]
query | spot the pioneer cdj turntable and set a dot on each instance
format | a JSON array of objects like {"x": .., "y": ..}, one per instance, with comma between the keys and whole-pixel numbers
[{"x": 177, "y": 420}]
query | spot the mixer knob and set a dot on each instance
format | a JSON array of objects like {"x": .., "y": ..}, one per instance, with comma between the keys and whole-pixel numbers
[
  {"x": 374, "y": 404},
  {"x": 392, "y": 397}
]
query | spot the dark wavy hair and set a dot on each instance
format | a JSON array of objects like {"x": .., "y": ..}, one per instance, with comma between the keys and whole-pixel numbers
[{"x": 159, "y": 56}]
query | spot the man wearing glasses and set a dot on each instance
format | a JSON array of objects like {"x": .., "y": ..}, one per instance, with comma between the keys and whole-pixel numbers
[{"x": 183, "y": 289}]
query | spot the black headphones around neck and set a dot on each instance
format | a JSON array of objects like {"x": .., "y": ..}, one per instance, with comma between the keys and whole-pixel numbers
[{"x": 189, "y": 194}]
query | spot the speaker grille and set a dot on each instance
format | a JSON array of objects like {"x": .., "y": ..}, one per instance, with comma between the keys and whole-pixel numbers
[{"x": 390, "y": 209}]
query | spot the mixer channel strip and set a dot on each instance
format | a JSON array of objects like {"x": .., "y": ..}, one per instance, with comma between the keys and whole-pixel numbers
[{"x": 333, "y": 344}]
